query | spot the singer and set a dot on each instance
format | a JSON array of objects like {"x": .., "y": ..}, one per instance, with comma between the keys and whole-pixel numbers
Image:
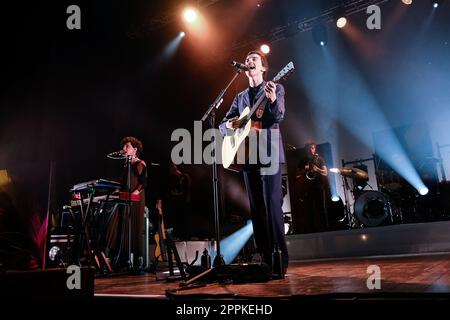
[
  {"x": 131, "y": 148},
  {"x": 264, "y": 191}
]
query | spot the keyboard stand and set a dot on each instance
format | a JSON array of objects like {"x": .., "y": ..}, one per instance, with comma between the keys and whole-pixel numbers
[{"x": 94, "y": 252}]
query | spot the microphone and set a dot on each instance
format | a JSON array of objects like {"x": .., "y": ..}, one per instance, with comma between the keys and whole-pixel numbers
[
  {"x": 116, "y": 154},
  {"x": 239, "y": 66}
]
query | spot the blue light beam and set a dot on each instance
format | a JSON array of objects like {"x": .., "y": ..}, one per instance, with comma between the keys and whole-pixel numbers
[{"x": 231, "y": 245}]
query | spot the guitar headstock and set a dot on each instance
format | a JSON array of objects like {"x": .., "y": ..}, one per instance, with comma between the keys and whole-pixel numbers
[{"x": 285, "y": 72}]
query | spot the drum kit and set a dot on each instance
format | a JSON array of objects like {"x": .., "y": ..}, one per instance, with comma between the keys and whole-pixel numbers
[{"x": 370, "y": 208}]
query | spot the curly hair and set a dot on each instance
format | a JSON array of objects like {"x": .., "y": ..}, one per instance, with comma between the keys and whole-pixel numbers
[{"x": 135, "y": 142}]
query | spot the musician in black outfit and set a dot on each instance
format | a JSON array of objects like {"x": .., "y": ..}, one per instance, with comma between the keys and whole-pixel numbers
[
  {"x": 264, "y": 190},
  {"x": 178, "y": 206},
  {"x": 119, "y": 241},
  {"x": 313, "y": 190}
]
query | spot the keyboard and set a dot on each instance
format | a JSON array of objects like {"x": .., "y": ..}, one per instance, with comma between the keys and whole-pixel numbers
[
  {"x": 122, "y": 197},
  {"x": 100, "y": 185}
]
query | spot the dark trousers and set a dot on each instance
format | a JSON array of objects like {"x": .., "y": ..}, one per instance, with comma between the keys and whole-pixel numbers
[
  {"x": 313, "y": 207},
  {"x": 266, "y": 200},
  {"x": 117, "y": 234}
]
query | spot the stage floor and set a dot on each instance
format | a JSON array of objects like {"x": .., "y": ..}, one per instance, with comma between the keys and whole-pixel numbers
[{"x": 402, "y": 275}]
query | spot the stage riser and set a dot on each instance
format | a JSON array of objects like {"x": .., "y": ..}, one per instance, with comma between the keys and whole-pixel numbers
[{"x": 418, "y": 238}]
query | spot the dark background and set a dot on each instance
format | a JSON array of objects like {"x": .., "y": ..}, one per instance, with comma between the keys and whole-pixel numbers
[{"x": 69, "y": 96}]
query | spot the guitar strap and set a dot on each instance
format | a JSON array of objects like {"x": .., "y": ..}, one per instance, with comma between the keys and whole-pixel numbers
[{"x": 260, "y": 110}]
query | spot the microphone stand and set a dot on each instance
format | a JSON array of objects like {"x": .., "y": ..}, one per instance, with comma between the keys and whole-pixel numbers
[
  {"x": 210, "y": 114},
  {"x": 132, "y": 269},
  {"x": 127, "y": 214},
  {"x": 349, "y": 215},
  {"x": 130, "y": 254}
]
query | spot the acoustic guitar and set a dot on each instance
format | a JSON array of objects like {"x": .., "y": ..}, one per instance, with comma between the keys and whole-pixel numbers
[{"x": 235, "y": 145}]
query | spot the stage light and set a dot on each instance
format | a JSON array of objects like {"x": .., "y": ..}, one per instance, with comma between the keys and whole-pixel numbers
[
  {"x": 423, "y": 191},
  {"x": 54, "y": 253},
  {"x": 340, "y": 16},
  {"x": 408, "y": 2},
  {"x": 341, "y": 22},
  {"x": 334, "y": 170},
  {"x": 320, "y": 35},
  {"x": 182, "y": 34},
  {"x": 436, "y": 3},
  {"x": 288, "y": 224},
  {"x": 335, "y": 198},
  {"x": 265, "y": 48},
  {"x": 190, "y": 15}
]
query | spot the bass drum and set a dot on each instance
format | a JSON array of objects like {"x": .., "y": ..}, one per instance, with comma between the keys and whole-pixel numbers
[{"x": 373, "y": 209}]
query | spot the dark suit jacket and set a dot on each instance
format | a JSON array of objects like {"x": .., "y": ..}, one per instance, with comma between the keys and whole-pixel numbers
[{"x": 273, "y": 113}]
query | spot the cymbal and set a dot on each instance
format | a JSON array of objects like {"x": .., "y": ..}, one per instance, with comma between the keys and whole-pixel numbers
[{"x": 354, "y": 173}]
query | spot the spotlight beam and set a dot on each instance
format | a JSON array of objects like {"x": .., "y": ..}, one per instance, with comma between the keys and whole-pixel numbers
[
  {"x": 169, "y": 50},
  {"x": 351, "y": 90},
  {"x": 231, "y": 245}
]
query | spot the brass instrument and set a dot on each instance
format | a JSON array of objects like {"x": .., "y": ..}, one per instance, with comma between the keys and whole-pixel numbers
[{"x": 310, "y": 173}]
